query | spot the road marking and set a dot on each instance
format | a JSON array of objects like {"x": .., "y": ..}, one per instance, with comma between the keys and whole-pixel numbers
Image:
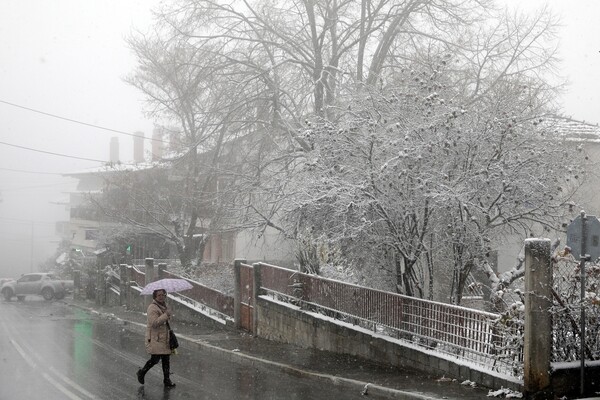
[
  {"x": 23, "y": 354},
  {"x": 29, "y": 360},
  {"x": 74, "y": 385},
  {"x": 60, "y": 376},
  {"x": 33, "y": 365},
  {"x": 60, "y": 387}
]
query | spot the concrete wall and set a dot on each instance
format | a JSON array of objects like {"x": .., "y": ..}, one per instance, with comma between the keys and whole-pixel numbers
[
  {"x": 287, "y": 324},
  {"x": 566, "y": 379}
]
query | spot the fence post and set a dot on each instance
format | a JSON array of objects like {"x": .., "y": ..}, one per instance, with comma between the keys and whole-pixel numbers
[
  {"x": 237, "y": 294},
  {"x": 76, "y": 284},
  {"x": 99, "y": 285},
  {"x": 128, "y": 293},
  {"x": 256, "y": 268},
  {"x": 123, "y": 284},
  {"x": 150, "y": 277},
  {"x": 162, "y": 267},
  {"x": 538, "y": 321}
]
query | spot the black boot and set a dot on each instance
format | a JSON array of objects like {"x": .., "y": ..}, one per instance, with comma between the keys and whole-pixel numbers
[
  {"x": 140, "y": 375},
  {"x": 168, "y": 384},
  {"x": 166, "y": 367}
]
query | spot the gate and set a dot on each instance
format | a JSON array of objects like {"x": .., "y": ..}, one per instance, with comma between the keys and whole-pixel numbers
[{"x": 246, "y": 295}]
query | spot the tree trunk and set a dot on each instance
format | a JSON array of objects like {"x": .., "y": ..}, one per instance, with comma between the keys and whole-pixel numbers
[
  {"x": 383, "y": 48},
  {"x": 318, "y": 67}
]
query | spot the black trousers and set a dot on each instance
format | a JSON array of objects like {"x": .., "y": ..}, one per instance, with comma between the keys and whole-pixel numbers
[{"x": 166, "y": 364}]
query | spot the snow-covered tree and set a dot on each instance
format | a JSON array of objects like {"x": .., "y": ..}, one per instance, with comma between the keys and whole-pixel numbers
[{"x": 395, "y": 135}]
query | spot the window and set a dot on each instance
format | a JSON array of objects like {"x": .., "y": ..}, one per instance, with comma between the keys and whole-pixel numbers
[
  {"x": 30, "y": 278},
  {"x": 91, "y": 234}
]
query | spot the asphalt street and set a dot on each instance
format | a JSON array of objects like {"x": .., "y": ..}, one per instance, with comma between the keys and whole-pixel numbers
[{"x": 53, "y": 350}]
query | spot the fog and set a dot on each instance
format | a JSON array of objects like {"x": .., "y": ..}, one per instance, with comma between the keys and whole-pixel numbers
[
  {"x": 61, "y": 69},
  {"x": 65, "y": 58}
]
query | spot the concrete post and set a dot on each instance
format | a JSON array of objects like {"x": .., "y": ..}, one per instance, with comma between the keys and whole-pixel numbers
[
  {"x": 162, "y": 267},
  {"x": 123, "y": 284},
  {"x": 538, "y": 321},
  {"x": 237, "y": 294},
  {"x": 100, "y": 285},
  {"x": 150, "y": 277},
  {"x": 128, "y": 283},
  {"x": 76, "y": 284}
]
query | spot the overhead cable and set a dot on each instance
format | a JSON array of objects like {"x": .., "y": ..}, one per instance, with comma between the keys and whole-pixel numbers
[
  {"x": 54, "y": 154},
  {"x": 75, "y": 121}
]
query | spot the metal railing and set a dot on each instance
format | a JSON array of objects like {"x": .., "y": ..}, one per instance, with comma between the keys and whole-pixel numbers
[
  {"x": 206, "y": 296},
  {"x": 137, "y": 276},
  {"x": 470, "y": 335},
  {"x": 208, "y": 300}
]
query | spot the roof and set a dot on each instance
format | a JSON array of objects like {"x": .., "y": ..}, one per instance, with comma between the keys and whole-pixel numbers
[
  {"x": 574, "y": 130},
  {"x": 114, "y": 168}
]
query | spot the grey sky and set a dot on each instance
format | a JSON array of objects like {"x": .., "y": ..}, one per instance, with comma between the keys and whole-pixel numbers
[{"x": 68, "y": 57}]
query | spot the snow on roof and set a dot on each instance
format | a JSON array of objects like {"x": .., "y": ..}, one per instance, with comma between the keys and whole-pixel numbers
[
  {"x": 113, "y": 168},
  {"x": 573, "y": 130},
  {"x": 61, "y": 258}
]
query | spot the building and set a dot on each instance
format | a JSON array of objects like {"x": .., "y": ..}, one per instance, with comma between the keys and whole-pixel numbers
[{"x": 88, "y": 226}]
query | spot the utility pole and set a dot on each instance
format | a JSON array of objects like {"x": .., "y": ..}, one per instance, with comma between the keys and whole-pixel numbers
[{"x": 31, "y": 250}]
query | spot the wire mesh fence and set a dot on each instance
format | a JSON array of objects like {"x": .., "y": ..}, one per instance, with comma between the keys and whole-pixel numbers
[{"x": 569, "y": 310}]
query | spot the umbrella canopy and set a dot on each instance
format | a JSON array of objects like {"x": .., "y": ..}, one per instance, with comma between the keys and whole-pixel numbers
[{"x": 170, "y": 285}]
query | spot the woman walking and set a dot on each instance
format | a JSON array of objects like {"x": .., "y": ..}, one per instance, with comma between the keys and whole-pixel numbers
[{"x": 157, "y": 337}]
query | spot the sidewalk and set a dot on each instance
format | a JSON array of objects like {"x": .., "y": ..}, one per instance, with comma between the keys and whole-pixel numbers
[{"x": 356, "y": 374}]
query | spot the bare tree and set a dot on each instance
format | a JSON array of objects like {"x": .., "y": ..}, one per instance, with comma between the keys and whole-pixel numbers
[{"x": 397, "y": 131}]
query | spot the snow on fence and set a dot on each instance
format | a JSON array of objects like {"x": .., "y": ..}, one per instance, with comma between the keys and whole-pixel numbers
[
  {"x": 466, "y": 334},
  {"x": 205, "y": 295},
  {"x": 567, "y": 311},
  {"x": 137, "y": 276},
  {"x": 210, "y": 300}
]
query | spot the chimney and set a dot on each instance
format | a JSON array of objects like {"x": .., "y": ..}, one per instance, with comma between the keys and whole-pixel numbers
[
  {"x": 114, "y": 150},
  {"x": 157, "y": 144},
  {"x": 138, "y": 147}
]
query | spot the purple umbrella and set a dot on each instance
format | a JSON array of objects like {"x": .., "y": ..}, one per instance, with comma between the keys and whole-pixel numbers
[{"x": 170, "y": 285}]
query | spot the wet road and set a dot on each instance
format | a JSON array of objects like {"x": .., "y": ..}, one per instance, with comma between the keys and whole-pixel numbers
[{"x": 50, "y": 350}]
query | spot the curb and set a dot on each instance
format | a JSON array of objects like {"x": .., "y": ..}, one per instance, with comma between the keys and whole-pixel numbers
[{"x": 366, "y": 388}]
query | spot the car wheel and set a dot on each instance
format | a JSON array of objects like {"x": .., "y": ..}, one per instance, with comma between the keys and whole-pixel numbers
[
  {"x": 20, "y": 298},
  {"x": 8, "y": 294},
  {"x": 59, "y": 295},
  {"x": 47, "y": 293}
]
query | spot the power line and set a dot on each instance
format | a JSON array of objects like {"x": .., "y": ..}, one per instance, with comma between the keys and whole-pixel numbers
[
  {"x": 13, "y": 189},
  {"x": 54, "y": 154},
  {"x": 31, "y": 172},
  {"x": 26, "y": 221},
  {"x": 75, "y": 121}
]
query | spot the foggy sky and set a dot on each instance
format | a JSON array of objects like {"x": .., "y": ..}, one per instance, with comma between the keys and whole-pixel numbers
[{"x": 67, "y": 58}]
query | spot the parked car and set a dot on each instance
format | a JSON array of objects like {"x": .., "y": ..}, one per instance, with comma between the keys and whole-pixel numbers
[
  {"x": 4, "y": 280},
  {"x": 45, "y": 284}
]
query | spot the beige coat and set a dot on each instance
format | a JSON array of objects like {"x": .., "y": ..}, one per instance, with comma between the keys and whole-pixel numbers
[{"x": 157, "y": 332}]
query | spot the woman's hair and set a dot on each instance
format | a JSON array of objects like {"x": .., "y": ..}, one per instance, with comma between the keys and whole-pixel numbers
[{"x": 156, "y": 292}]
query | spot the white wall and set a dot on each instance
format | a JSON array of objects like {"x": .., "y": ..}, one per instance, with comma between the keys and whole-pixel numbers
[{"x": 270, "y": 247}]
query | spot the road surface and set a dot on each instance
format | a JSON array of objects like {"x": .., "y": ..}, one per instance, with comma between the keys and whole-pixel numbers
[{"x": 54, "y": 351}]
